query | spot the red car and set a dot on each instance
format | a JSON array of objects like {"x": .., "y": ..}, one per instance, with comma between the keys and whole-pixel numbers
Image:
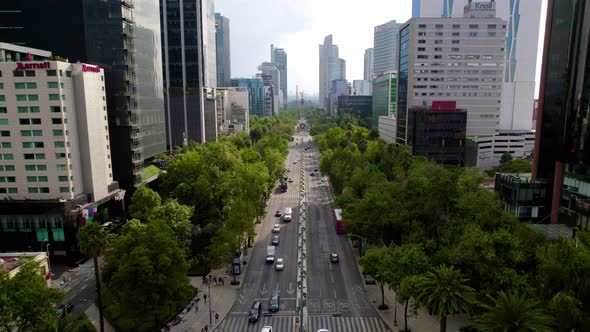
[{"x": 278, "y": 213}]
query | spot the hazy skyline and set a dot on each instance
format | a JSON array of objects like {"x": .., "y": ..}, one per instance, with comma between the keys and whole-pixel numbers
[{"x": 300, "y": 27}]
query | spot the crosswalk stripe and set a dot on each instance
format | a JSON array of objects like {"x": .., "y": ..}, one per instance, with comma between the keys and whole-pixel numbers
[
  {"x": 347, "y": 324},
  {"x": 241, "y": 324}
]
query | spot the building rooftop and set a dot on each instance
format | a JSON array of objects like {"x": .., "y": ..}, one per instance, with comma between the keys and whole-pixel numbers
[{"x": 11, "y": 261}]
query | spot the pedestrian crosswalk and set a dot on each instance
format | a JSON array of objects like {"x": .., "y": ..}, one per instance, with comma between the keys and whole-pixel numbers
[
  {"x": 239, "y": 323},
  {"x": 347, "y": 324}
]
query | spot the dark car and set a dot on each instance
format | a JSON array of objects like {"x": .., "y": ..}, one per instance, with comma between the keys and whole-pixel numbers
[
  {"x": 274, "y": 303},
  {"x": 334, "y": 257},
  {"x": 64, "y": 309},
  {"x": 255, "y": 311},
  {"x": 275, "y": 240},
  {"x": 315, "y": 170}
]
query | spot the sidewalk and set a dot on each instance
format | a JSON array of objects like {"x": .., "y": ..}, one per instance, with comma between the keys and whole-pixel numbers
[
  {"x": 421, "y": 323},
  {"x": 92, "y": 313},
  {"x": 222, "y": 298}
]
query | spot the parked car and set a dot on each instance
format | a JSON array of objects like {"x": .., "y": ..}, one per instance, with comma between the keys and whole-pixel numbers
[
  {"x": 278, "y": 213},
  {"x": 290, "y": 180},
  {"x": 280, "y": 264},
  {"x": 334, "y": 257},
  {"x": 266, "y": 329},
  {"x": 276, "y": 228},
  {"x": 255, "y": 312},
  {"x": 275, "y": 240},
  {"x": 275, "y": 303}
]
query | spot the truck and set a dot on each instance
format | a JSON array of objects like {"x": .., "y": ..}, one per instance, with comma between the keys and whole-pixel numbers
[
  {"x": 270, "y": 254},
  {"x": 338, "y": 221}
]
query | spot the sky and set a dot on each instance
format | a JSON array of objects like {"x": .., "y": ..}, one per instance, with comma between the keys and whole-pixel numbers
[{"x": 299, "y": 26}]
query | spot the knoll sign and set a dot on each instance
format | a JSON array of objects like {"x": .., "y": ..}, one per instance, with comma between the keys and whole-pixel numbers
[
  {"x": 33, "y": 65},
  {"x": 480, "y": 6}
]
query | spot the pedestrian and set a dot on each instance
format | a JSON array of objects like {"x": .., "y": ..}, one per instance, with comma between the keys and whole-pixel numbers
[
  {"x": 206, "y": 328},
  {"x": 205, "y": 297},
  {"x": 216, "y": 318},
  {"x": 203, "y": 330},
  {"x": 222, "y": 281},
  {"x": 204, "y": 280}
]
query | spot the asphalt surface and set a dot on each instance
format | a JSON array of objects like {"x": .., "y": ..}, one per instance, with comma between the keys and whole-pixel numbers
[{"x": 336, "y": 299}]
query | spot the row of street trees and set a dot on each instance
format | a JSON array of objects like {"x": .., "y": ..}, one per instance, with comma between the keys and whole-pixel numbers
[
  {"x": 201, "y": 214},
  {"x": 445, "y": 244}
]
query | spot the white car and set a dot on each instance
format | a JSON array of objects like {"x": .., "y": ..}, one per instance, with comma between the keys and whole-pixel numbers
[
  {"x": 276, "y": 228},
  {"x": 280, "y": 264},
  {"x": 266, "y": 329},
  {"x": 323, "y": 330}
]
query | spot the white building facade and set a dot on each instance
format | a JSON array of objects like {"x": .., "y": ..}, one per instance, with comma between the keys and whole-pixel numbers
[
  {"x": 362, "y": 88},
  {"x": 54, "y": 137},
  {"x": 209, "y": 43},
  {"x": 522, "y": 34},
  {"x": 233, "y": 110}
]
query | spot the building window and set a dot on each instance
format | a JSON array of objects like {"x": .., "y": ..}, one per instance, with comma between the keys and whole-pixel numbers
[
  {"x": 472, "y": 34},
  {"x": 5, "y": 145},
  {"x": 56, "y": 121},
  {"x": 58, "y": 132},
  {"x": 29, "y": 145},
  {"x": 33, "y": 121},
  {"x": 18, "y": 73},
  {"x": 473, "y": 26},
  {"x": 456, "y": 34},
  {"x": 455, "y": 41},
  {"x": 53, "y": 96},
  {"x": 456, "y": 26},
  {"x": 63, "y": 97},
  {"x": 439, "y": 33},
  {"x": 438, "y": 41},
  {"x": 59, "y": 144},
  {"x": 422, "y": 26},
  {"x": 421, "y": 41},
  {"x": 455, "y": 49},
  {"x": 64, "y": 189},
  {"x": 62, "y": 178},
  {"x": 21, "y": 97},
  {"x": 3, "y": 110},
  {"x": 4, "y": 133},
  {"x": 492, "y": 34},
  {"x": 68, "y": 73},
  {"x": 55, "y": 109},
  {"x": 52, "y": 85},
  {"x": 29, "y": 73},
  {"x": 421, "y": 34},
  {"x": 421, "y": 49},
  {"x": 2, "y": 98},
  {"x": 491, "y": 26},
  {"x": 7, "y": 156},
  {"x": 438, "y": 49},
  {"x": 3, "y": 122},
  {"x": 439, "y": 26},
  {"x": 61, "y": 167},
  {"x": 60, "y": 155},
  {"x": 20, "y": 85},
  {"x": 52, "y": 72},
  {"x": 31, "y": 85},
  {"x": 33, "y": 97}
]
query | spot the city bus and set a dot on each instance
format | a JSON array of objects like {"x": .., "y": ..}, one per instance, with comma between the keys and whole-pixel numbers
[{"x": 338, "y": 221}]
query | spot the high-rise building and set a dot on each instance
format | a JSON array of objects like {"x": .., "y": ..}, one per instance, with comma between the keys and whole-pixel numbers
[
  {"x": 209, "y": 42},
  {"x": 255, "y": 88},
  {"x": 55, "y": 152},
  {"x": 522, "y": 33},
  {"x": 222, "y": 47},
  {"x": 182, "y": 50},
  {"x": 331, "y": 68},
  {"x": 368, "y": 69},
  {"x": 340, "y": 87},
  {"x": 123, "y": 37},
  {"x": 272, "y": 70},
  {"x": 385, "y": 47},
  {"x": 453, "y": 59},
  {"x": 269, "y": 95},
  {"x": 384, "y": 97},
  {"x": 357, "y": 106},
  {"x": 279, "y": 58},
  {"x": 563, "y": 120}
]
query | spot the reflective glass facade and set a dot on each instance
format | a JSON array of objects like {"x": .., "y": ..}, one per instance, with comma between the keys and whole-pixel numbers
[
  {"x": 255, "y": 93},
  {"x": 403, "y": 76},
  {"x": 223, "y": 50},
  {"x": 182, "y": 51}
]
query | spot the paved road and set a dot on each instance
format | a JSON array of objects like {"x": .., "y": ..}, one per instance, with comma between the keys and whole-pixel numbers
[
  {"x": 337, "y": 299},
  {"x": 261, "y": 279}
]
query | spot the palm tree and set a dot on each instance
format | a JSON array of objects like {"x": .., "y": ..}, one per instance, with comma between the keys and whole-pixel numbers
[
  {"x": 514, "y": 312},
  {"x": 444, "y": 292},
  {"x": 54, "y": 323},
  {"x": 93, "y": 241}
]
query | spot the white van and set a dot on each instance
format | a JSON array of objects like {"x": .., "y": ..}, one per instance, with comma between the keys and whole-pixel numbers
[
  {"x": 266, "y": 329},
  {"x": 287, "y": 214}
]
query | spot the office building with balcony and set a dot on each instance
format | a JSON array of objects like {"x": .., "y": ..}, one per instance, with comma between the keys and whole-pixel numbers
[
  {"x": 123, "y": 38},
  {"x": 55, "y": 150}
]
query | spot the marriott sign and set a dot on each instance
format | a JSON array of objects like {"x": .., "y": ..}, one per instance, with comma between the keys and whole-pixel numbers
[{"x": 33, "y": 65}]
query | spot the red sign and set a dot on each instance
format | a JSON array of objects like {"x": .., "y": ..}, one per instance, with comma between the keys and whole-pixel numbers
[
  {"x": 94, "y": 69},
  {"x": 35, "y": 65}
]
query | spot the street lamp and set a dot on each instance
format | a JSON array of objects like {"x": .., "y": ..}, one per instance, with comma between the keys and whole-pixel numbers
[{"x": 47, "y": 254}]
